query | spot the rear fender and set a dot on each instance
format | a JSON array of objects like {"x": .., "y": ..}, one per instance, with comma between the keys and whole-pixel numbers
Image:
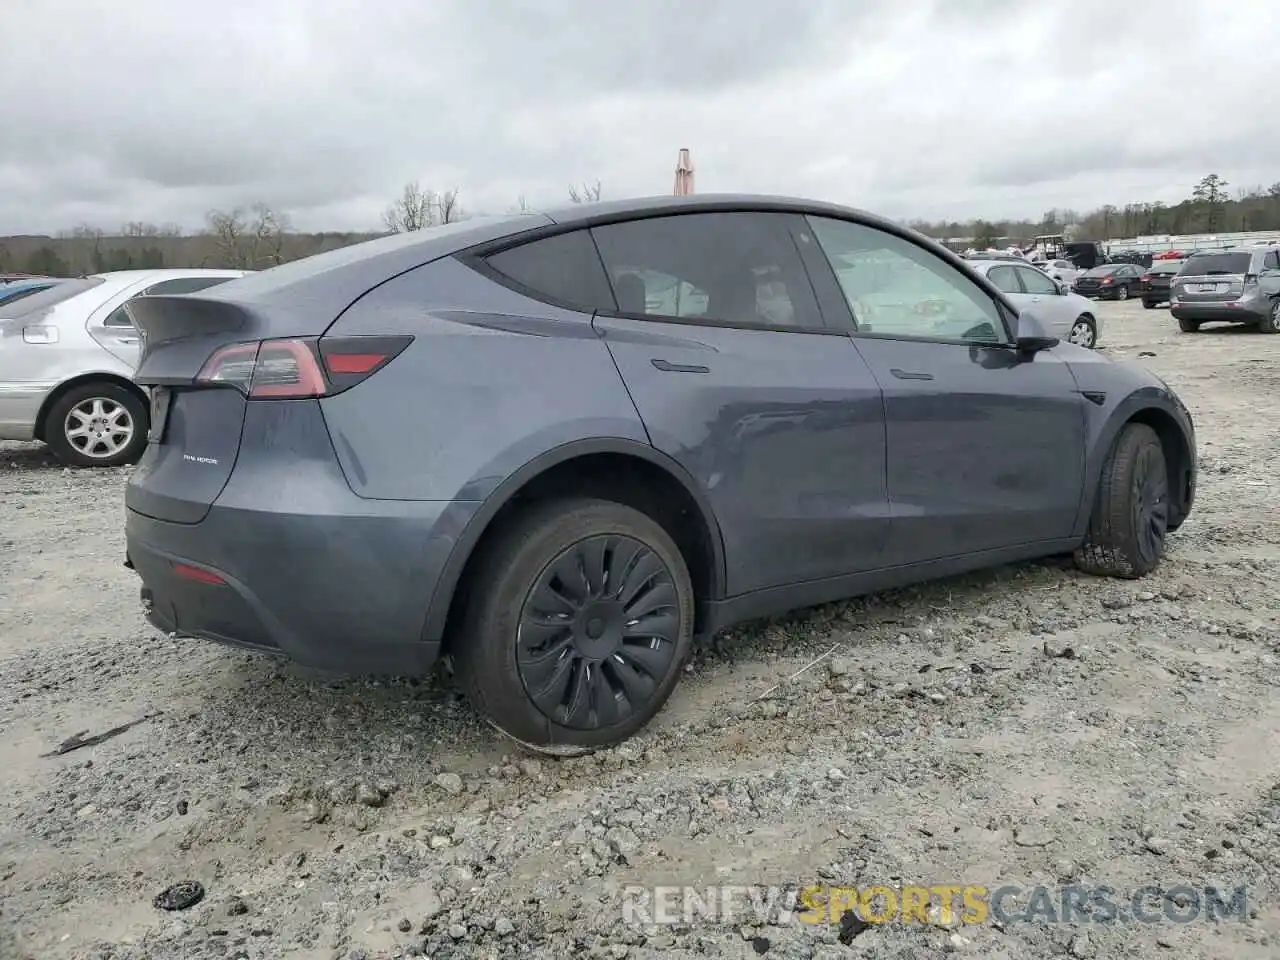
[{"x": 476, "y": 521}]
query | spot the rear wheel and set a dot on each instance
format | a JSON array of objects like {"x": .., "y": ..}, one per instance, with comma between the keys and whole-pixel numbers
[
  {"x": 1130, "y": 509},
  {"x": 1149, "y": 304},
  {"x": 578, "y": 627},
  {"x": 1271, "y": 322},
  {"x": 1084, "y": 331},
  {"x": 1188, "y": 326},
  {"x": 97, "y": 424},
  {"x": 1122, "y": 293}
]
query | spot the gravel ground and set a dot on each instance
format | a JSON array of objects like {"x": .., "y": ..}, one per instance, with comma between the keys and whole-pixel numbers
[{"x": 1027, "y": 726}]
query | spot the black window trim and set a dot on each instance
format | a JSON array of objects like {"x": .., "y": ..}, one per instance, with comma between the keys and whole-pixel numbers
[
  {"x": 474, "y": 258},
  {"x": 477, "y": 259}
]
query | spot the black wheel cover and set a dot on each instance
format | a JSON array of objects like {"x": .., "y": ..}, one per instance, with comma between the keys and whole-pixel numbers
[
  {"x": 1150, "y": 502},
  {"x": 598, "y": 632}
]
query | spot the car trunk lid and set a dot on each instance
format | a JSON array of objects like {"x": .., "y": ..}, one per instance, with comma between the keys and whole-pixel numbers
[
  {"x": 1213, "y": 277},
  {"x": 195, "y": 426}
]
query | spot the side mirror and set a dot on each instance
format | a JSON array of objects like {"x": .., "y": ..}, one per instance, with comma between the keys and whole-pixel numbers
[
  {"x": 1028, "y": 347},
  {"x": 1063, "y": 288}
]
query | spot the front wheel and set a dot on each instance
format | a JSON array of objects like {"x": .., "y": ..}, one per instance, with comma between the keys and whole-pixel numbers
[
  {"x": 1130, "y": 509},
  {"x": 1084, "y": 332},
  {"x": 578, "y": 628},
  {"x": 97, "y": 424}
]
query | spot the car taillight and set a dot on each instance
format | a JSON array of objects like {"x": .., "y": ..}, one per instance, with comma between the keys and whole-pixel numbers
[
  {"x": 299, "y": 368},
  {"x": 1250, "y": 279},
  {"x": 1147, "y": 277}
]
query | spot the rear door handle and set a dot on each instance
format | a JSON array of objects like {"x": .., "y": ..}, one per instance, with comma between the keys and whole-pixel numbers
[
  {"x": 908, "y": 375},
  {"x": 666, "y": 366}
]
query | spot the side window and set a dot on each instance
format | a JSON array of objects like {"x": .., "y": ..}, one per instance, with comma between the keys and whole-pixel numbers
[
  {"x": 738, "y": 269},
  {"x": 117, "y": 318},
  {"x": 563, "y": 268},
  {"x": 1036, "y": 283},
  {"x": 1005, "y": 279},
  {"x": 898, "y": 289},
  {"x": 1271, "y": 261}
]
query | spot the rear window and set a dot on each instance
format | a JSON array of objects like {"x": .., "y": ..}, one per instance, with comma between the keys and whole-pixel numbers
[
  {"x": 10, "y": 294},
  {"x": 1105, "y": 270},
  {"x": 1210, "y": 263},
  {"x": 1166, "y": 266},
  {"x": 48, "y": 297}
]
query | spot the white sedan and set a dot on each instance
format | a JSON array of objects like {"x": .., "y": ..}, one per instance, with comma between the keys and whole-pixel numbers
[
  {"x": 67, "y": 355},
  {"x": 1070, "y": 316},
  {"x": 1063, "y": 270}
]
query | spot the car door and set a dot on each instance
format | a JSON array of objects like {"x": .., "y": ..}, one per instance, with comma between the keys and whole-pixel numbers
[
  {"x": 985, "y": 449},
  {"x": 1043, "y": 296},
  {"x": 720, "y": 340}
]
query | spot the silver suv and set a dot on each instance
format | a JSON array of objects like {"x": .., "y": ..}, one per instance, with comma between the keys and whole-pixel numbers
[{"x": 1234, "y": 286}]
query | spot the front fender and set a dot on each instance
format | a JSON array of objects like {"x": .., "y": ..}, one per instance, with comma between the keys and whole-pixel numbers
[{"x": 1150, "y": 402}]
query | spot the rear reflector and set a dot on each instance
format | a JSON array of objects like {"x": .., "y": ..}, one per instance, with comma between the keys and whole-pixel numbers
[
  {"x": 197, "y": 575},
  {"x": 291, "y": 369}
]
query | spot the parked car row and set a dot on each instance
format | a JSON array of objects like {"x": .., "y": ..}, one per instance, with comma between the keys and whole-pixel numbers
[{"x": 68, "y": 351}]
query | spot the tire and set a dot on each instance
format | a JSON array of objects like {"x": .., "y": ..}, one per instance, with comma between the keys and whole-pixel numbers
[
  {"x": 1188, "y": 326},
  {"x": 1130, "y": 509},
  {"x": 98, "y": 406},
  {"x": 1122, "y": 293},
  {"x": 497, "y": 672},
  {"x": 1149, "y": 304},
  {"x": 1271, "y": 322},
  {"x": 1084, "y": 332}
]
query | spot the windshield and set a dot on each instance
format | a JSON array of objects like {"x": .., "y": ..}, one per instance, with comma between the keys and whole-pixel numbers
[{"x": 1206, "y": 264}]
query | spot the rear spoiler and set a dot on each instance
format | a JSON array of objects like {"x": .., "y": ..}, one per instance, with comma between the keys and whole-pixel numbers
[{"x": 180, "y": 332}]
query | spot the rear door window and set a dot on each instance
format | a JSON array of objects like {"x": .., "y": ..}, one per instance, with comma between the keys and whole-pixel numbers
[
  {"x": 1005, "y": 279},
  {"x": 1035, "y": 282},
  {"x": 738, "y": 269},
  {"x": 1271, "y": 261}
]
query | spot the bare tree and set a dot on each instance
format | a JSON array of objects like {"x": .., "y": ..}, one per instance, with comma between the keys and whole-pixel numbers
[
  {"x": 413, "y": 211},
  {"x": 587, "y": 193},
  {"x": 267, "y": 230},
  {"x": 448, "y": 207},
  {"x": 227, "y": 229}
]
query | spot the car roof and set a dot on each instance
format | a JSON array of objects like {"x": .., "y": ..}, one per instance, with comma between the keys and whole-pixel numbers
[{"x": 341, "y": 276}]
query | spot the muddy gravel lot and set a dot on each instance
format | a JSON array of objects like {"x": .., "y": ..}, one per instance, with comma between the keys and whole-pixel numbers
[{"x": 1026, "y": 727}]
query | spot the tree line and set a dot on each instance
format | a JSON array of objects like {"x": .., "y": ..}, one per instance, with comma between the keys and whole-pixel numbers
[
  {"x": 1210, "y": 208},
  {"x": 258, "y": 236},
  {"x": 252, "y": 237}
]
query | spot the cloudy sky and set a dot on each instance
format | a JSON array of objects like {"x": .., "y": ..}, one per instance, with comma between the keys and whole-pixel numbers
[{"x": 160, "y": 110}]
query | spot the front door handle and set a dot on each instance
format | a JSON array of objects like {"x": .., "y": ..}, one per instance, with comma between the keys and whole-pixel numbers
[
  {"x": 1035, "y": 299},
  {"x": 908, "y": 375},
  {"x": 667, "y": 366}
]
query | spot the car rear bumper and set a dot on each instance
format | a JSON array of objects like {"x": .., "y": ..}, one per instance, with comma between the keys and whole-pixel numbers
[
  {"x": 20, "y": 403},
  {"x": 344, "y": 593},
  {"x": 1233, "y": 312}
]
